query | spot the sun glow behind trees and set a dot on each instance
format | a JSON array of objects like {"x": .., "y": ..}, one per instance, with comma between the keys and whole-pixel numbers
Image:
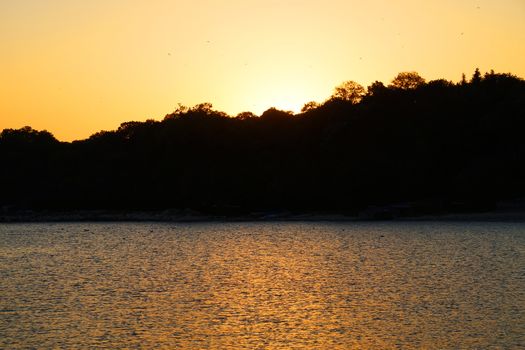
[{"x": 75, "y": 67}]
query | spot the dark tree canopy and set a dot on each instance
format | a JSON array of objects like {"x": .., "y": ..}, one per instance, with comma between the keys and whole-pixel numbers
[
  {"x": 349, "y": 91},
  {"x": 274, "y": 113},
  {"x": 245, "y": 115},
  {"x": 476, "y": 77},
  {"x": 407, "y": 81},
  {"x": 308, "y": 106},
  {"x": 438, "y": 146},
  {"x": 376, "y": 88},
  {"x": 27, "y": 137}
]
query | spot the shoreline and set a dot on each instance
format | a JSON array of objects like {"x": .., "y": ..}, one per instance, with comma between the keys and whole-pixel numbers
[{"x": 190, "y": 216}]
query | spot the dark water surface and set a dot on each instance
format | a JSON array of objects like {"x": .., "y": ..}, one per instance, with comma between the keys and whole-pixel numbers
[{"x": 262, "y": 286}]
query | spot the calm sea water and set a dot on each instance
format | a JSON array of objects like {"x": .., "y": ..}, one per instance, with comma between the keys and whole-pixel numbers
[{"x": 262, "y": 286}]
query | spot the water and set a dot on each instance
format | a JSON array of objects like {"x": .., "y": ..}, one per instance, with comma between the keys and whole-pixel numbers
[{"x": 262, "y": 286}]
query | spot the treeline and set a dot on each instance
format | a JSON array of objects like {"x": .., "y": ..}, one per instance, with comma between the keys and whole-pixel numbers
[{"x": 437, "y": 145}]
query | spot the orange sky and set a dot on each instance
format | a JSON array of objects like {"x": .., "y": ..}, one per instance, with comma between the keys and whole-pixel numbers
[{"x": 76, "y": 67}]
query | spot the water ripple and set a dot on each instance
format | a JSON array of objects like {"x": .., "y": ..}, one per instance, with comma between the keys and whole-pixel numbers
[{"x": 262, "y": 286}]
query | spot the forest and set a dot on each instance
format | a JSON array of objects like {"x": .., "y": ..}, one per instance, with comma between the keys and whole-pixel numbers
[{"x": 413, "y": 147}]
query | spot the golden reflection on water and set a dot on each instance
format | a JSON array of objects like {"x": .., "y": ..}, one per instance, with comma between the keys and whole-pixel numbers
[{"x": 262, "y": 286}]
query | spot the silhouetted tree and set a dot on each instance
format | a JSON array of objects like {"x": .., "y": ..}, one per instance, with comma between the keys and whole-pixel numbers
[
  {"x": 245, "y": 116},
  {"x": 275, "y": 114},
  {"x": 26, "y": 137},
  {"x": 407, "y": 81},
  {"x": 476, "y": 77},
  {"x": 440, "y": 83},
  {"x": 376, "y": 88},
  {"x": 463, "y": 79},
  {"x": 439, "y": 146},
  {"x": 310, "y": 106},
  {"x": 349, "y": 91}
]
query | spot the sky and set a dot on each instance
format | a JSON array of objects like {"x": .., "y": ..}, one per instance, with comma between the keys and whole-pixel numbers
[{"x": 75, "y": 67}]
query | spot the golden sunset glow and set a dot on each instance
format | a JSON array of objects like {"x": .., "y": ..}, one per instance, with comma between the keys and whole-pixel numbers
[{"x": 76, "y": 67}]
